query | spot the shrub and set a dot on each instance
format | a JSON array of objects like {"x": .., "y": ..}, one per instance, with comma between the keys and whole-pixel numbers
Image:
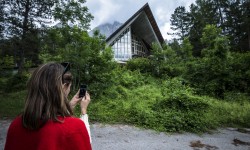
[
  {"x": 167, "y": 106},
  {"x": 16, "y": 82},
  {"x": 182, "y": 112},
  {"x": 141, "y": 64}
]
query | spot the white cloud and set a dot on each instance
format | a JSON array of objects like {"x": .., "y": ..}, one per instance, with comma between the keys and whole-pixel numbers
[
  {"x": 166, "y": 29},
  {"x": 162, "y": 15},
  {"x": 103, "y": 11}
]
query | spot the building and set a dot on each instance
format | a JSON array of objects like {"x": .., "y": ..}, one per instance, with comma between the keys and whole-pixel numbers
[{"x": 135, "y": 37}]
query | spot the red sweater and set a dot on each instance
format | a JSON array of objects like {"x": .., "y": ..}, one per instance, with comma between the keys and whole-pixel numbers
[{"x": 69, "y": 135}]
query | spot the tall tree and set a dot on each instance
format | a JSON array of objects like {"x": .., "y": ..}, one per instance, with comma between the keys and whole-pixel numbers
[
  {"x": 216, "y": 54},
  {"x": 92, "y": 63},
  {"x": 210, "y": 74},
  {"x": 72, "y": 12},
  {"x": 201, "y": 13},
  {"x": 180, "y": 22},
  {"x": 195, "y": 29},
  {"x": 25, "y": 19},
  {"x": 219, "y": 8},
  {"x": 232, "y": 16},
  {"x": 234, "y": 23},
  {"x": 246, "y": 25}
]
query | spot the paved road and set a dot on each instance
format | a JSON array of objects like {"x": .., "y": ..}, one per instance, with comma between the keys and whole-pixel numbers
[{"x": 123, "y": 137}]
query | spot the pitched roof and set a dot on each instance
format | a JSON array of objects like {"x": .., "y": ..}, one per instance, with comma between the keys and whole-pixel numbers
[{"x": 151, "y": 19}]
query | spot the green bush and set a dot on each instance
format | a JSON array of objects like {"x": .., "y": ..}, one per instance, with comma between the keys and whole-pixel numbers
[
  {"x": 168, "y": 106},
  {"x": 149, "y": 107},
  {"x": 16, "y": 82},
  {"x": 240, "y": 72},
  {"x": 2, "y": 84},
  {"x": 182, "y": 112},
  {"x": 141, "y": 64},
  {"x": 5, "y": 75},
  {"x": 182, "y": 102}
]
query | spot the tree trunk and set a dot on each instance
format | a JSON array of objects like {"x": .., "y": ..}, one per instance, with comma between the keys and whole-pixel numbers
[
  {"x": 221, "y": 17},
  {"x": 24, "y": 34},
  {"x": 21, "y": 62},
  {"x": 249, "y": 38}
]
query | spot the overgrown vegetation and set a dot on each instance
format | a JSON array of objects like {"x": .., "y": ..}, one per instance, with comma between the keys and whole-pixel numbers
[
  {"x": 170, "y": 91},
  {"x": 167, "y": 105}
]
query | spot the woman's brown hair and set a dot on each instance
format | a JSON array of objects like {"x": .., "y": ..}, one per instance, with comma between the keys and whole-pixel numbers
[{"x": 45, "y": 99}]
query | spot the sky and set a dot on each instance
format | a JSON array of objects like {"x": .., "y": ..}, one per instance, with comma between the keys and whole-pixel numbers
[{"x": 108, "y": 11}]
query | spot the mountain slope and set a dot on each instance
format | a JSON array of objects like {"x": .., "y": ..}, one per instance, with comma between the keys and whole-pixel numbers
[{"x": 106, "y": 29}]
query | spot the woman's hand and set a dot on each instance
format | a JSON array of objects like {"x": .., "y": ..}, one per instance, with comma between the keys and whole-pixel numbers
[
  {"x": 75, "y": 100},
  {"x": 84, "y": 103}
]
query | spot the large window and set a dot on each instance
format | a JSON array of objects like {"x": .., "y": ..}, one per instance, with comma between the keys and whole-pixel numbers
[
  {"x": 138, "y": 48},
  {"x": 126, "y": 45},
  {"x": 122, "y": 46}
]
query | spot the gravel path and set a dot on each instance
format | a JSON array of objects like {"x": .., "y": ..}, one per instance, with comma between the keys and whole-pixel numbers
[
  {"x": 123, "y": 137},
  {"x": 4, "y": 124}
]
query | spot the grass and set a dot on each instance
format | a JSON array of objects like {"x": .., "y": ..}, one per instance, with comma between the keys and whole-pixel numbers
[
  {"x": 11, "y": 104},
  {"x": 231, "y": 113}
]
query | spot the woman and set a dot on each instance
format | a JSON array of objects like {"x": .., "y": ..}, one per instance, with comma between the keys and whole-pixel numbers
[{"x": 47, "y": 122}]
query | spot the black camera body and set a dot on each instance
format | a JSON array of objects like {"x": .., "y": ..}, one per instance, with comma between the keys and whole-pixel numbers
[{"x": 83, "y": 90}]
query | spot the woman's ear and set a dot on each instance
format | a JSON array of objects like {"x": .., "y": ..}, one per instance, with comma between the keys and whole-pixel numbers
[{"x": 66, "y": 88}]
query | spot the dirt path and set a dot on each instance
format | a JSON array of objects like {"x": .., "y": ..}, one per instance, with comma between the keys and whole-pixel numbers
[{"x": 123, "y": 137}]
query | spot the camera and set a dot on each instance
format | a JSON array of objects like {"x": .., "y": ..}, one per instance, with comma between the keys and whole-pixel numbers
[{"x": 83, "y": 90}]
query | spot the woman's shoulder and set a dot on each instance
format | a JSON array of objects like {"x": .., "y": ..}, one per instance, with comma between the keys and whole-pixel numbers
[
  {"x": 72, "y": 120},
  {"x": 65, "y": 126},
  {"x": 70, "y": 123},
  {"x": 15, "y": 125},
  {"x": 16, "y": 122}
]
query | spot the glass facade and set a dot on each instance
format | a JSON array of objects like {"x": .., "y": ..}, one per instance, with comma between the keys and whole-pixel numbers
[
  {"x": 125, "y": 47},
  {"x": 122, "y": 46},
  {"x": 138, "y": 48}
]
